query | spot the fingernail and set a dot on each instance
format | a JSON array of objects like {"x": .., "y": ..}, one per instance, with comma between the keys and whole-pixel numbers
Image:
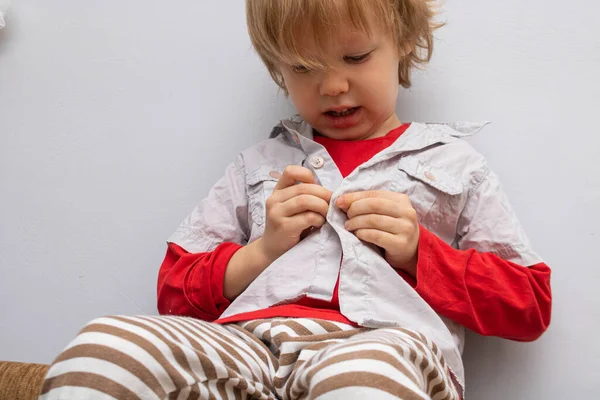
[{"x": 341, "y": 202}]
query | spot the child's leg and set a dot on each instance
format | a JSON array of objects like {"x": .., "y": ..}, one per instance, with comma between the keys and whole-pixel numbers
[
  {"x": 329, "y": 360},
  {"x": 160, "y": 358},
  {"x": 379, "y": 364}
]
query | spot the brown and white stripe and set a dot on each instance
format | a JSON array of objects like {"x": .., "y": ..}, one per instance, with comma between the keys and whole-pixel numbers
[{"x": 284, "y": 358}]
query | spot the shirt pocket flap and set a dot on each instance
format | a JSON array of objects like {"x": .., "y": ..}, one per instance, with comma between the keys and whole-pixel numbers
[
  {"x": 263, "y": 174},
  {"x": 261, "y": 183},
  {"x": 431, "y": 176}
]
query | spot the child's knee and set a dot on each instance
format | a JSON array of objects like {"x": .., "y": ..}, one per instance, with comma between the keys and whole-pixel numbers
[
  {"x": 365, "y": 368},
  {"x": 100, "y": 339},
  {"x": 114, "y": 355}
]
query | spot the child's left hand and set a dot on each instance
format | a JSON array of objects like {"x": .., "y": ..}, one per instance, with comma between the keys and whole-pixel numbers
[{"x": 385, "y": 219}]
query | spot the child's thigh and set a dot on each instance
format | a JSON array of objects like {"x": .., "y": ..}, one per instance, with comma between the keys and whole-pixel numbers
[
  {"x": 158, "y": 358},
  {"x": 381, "y": 363}
]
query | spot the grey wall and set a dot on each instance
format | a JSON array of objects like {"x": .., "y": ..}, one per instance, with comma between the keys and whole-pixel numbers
[{"x": 117, "y": 116}]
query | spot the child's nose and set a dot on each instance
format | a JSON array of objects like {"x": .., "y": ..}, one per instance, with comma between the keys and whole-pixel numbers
[{"x": 333, "y": 84}]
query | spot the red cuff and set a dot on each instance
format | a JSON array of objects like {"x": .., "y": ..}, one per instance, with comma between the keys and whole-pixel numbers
[
  {"x": 192, "y": 284},
  {"x": 204, "y": 283}
]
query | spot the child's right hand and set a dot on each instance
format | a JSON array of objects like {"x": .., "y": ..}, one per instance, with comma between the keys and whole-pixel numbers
[{"x": 297, "y": 203}]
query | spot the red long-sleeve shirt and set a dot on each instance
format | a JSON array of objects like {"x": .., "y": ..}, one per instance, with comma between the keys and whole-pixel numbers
[{"x": 481, "y": 291}]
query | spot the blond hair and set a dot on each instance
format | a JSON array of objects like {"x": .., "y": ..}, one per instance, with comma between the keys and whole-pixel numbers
[{"x": 273, "y": 26}]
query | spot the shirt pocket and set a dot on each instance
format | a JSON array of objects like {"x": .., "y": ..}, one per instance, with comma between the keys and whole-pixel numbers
[
  {"x": 434, "y": 193},
  {"x": 261, "y": 184}
]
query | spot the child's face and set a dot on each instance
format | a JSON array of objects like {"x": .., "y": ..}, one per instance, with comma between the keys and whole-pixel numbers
[{"x": 355, "y": 97}]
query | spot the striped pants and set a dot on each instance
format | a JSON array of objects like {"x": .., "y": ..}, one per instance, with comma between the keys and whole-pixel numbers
[{"x": 284, "y": 358}]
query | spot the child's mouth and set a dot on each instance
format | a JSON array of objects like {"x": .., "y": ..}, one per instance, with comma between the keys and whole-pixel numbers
[
  {"x": 343, "y": 119},
  {"x": 342, "y": 113}
]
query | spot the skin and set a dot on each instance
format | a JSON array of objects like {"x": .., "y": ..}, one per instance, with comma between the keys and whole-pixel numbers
[{"x": 362, "y": 72}]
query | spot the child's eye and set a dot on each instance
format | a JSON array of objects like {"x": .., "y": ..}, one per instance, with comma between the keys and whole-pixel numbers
[
  {"x": 357, "y": 59},
  {"x": 299, "y": 69}
]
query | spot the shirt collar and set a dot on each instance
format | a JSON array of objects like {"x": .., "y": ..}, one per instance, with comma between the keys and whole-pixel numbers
[{"x": 417, "y": 137}]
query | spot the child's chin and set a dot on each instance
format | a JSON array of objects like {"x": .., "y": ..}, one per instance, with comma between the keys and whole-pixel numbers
[{"x": 345, "y": 134}]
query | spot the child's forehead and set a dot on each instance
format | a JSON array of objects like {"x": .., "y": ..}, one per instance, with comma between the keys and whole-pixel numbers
[
  {"x": 342, "y": 37},
  {"x": 316, "y": 37},
  {"x": 345, "y": 40}
]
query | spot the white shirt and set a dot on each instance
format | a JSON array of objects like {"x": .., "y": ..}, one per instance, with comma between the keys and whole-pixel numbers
[{"x": 450, "y": 185}]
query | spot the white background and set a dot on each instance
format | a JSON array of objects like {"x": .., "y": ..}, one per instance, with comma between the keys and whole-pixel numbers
[{"x": 117, "y": 116}]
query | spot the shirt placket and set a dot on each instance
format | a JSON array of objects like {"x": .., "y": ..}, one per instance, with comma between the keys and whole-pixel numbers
[{"x": 329, "y": 251}]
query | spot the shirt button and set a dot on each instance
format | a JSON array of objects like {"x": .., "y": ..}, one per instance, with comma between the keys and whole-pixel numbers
[
  {"x": 429, "y": 176},
  {"x": 275, "y": 174},
  {"x": 317, "y": 162}
]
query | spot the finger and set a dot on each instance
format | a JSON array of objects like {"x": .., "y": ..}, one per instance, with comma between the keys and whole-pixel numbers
[
  {"x": 378, "y": 206},
  {"x": 301, "y": 222},
  {"x": 303, "y": 188},
  {"x": 379, "y": 222},
  {"x": 302, "y": 203},
  {"x": 379, "y": 238},
  {"x": 293, "y": 174},
  {"x": 346, "y": 200}
]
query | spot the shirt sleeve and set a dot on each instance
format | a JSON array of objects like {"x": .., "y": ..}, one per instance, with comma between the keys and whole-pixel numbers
[
  {"x": 483, "y": 292},
  {"x": 221, "y": 217},
  {"x": 190, "y": 281},
  {"x": 191, "y": 284},
  {"x": 494, "y": 283}
]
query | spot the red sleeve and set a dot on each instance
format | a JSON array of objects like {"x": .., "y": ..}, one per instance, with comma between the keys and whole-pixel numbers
[
  {"x": 483, "y": 292},
  {"x": 192, "y": 284}
]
